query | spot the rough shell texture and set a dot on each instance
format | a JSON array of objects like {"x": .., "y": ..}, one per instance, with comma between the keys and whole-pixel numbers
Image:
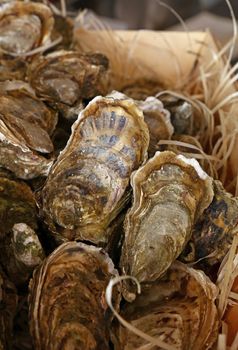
[
  {"x": 24, "y": 26},
  {"x": 25, "y": 125},
  {"x": 68, "y": 309},
  {"x": 170, "y": 193},
  {"x": 21, "y": 253},
  {"x": 180, "y": 309},
  {"x": 63, "y": 28},
  {"x": 142, "y": 89},
  {"x": 63, "y": 78},
  {"x": 158, "y": 120},
  {"x": 8, "y": 302},
  {"x": 214, "y": 232},
  {"x": 86, "y": 188},
  {"x": 12, "y": 68},
  {"x": 17, "y": 204},
  {"x": 182, "y": 113}
]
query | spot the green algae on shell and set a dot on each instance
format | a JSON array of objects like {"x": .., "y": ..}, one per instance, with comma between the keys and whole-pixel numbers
[
  {"x": 87, "y": 186},
  {"x": 67, "y": 299},
  {"x": 17, "y": 203}
]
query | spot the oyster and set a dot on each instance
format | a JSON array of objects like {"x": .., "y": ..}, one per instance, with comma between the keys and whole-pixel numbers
[
  {"x": 12, "y": 68},
  {"x": 142, "y": 89},
  {"x": 24, "y": 26},
  {"x": 178, "y": 309},
  {"x": 25, "y": 126},
  {"x": 86, "y": 188},
  {"x": 8, "y": 302},
  {"x": 63, "y": 28},
  {"x": 214, "y": 232},
  {"x": 21, "y": 253},
  {"x": 67, "y": 299},
  {"x": 158, "y": 120},
  {"x": 170, "y": 193},
  {"x": 182, "y": 114},
  {"x": 64, "y": 78},
  {"x": 17, "y": 203}
]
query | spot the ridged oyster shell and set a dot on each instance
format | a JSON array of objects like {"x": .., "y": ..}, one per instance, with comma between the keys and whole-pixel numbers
[
  {"x": 24, "y": 26},
  {"x": 214, "y": 232},
  {"x": 179, "y": 309},
  {"x": 169, "y": 193},
  {"x": 86, "y": 187},
  {"x": 64, "y": 78},
  {"x": 25, "y": 128},
  {"x": 68, "y": 309},
  {"x": 158, "y": 120}
]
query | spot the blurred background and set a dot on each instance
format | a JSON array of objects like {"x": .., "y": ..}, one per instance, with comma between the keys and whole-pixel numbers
[{"x": 151, "y": 14}]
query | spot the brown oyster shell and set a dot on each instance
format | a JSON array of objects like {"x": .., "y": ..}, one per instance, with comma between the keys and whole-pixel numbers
[
  {"x": 169, "y": 193},
  {"x": 25, "y": 128},
  {"x": 24, "y": 26},
  {"x": 12, "y": 68},
  {"x": 158, "y": 120},
  {"x": 68, "y": 308},
  {"x": 17, "y": 204},
  {"x": 64, "y": 78},
  {"x": 8, "y": 302},
  {"x": 141, "y": 89},
  {"x": 214, "y": 232},
  {"x": 86, "y": 188},
  {"x": 63, "y": 28},
  {"x": 179, "y": 309}
]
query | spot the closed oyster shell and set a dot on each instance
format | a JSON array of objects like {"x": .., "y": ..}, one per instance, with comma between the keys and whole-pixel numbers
[
  {"x": 8, "y": 302},
  {"x": 68, "y": 308},
  {"x": 179, "y": 308},
  {"x": 86, "y": 188},
  {"x": 12, "y": 68},
  {"x": 158, "y": 120},
  {"x": 25, "y": 126},
  {"x": 24, "y": 26},
  {"x": 64, "y": 78},
  {"x": 21, "y": 253},
  {"x": 170, "y": 193},
  {"x": 214, "y": 232},
  {"x": 141, "y": 89},
  {"x": 17, "y": 204}
]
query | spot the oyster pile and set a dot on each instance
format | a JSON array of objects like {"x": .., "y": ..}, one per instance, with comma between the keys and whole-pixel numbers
[{"x": 96, "y": 185}]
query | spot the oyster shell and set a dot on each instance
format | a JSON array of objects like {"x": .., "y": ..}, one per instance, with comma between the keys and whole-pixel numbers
[
  {"x": 64, "y": 78},
  {"x": 179, "y": 308},
  {"x": 8, "y": 302},
  {"x": 214, "y": 232},
  {"x": 12, "y": 68},
  {"x": 158, "y": 120},
  {"x": 142, "y": 89},
  {"x": 25, "y": 126},
  {"x": 24, "y": 26},
  {"x": 181, "y": 111},
  {"x": 63, "y": 28},
  {"x": 86, "y": 188},
  {"x": 21, "y": 253},
  {"x": 17, "y": 204},
  {"x": 67, "y": 299},
  {"x": 170, "y": 193}
]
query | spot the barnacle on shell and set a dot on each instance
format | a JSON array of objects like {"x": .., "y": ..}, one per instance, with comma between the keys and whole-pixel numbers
[
  {"x": 68, "y": 309},
  {"x": 170, "y": 192},
  {"x": 64, "y": 78},
  {"x": 24, "y": 26},
  {"x": 178, "y": 309},
  {"x": 87, "y": 186}
]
